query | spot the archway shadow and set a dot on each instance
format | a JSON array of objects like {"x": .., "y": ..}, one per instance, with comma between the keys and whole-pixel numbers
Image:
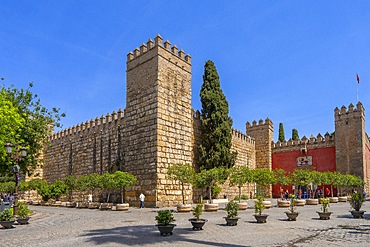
[{"x": 146, "y": 235}]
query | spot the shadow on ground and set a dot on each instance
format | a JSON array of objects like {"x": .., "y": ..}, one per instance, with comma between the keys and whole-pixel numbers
[{"x": 147, "y": 235}]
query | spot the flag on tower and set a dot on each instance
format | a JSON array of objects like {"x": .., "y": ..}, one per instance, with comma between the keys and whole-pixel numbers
[{"x": 358, "y": 79}]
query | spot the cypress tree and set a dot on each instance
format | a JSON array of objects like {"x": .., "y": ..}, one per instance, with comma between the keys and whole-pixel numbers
[
  {"x": 214, "y": 149},
  {"x": 295, "y": 135},
  {"x": 281, "y": 133}
]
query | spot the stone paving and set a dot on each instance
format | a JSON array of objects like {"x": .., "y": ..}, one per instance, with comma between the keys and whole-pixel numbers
[{"x": 59, "y": 226}]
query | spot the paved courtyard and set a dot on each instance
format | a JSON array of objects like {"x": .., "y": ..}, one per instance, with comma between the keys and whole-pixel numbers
[{"x": 59, "y": 226}]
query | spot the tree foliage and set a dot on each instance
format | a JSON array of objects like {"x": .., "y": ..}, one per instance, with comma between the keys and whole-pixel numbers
[
  {"x": 184, "y": 173},
  {"x": 123, "y": 180},
  {"x": 295, "y": 135},
  {"x": 26, "y": 123},
  {"x": 210, "y": 178},
  {"x": 281, "y": 133},
  {"x": 214, "y": 149},
  {"x": 239, "y": 176}
]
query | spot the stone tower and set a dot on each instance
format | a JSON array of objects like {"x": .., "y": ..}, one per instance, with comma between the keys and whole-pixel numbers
[
  {"x": 351, "y": 142},
  {"x": 263, "y": 133},
  {"x": 159, "y": 120}
]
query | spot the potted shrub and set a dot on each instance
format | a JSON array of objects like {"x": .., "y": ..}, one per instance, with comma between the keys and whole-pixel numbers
[
  {"x": 164, "y": 220},
  {"x": 239, "y": 176},
  {"x": 258, "y": 208},
  {"x": 209, "y": 179},
  {"x": 292, "y": 214},
  {"x": 324, "y": 214},
  {"x": 23, "y": 213},
  {"x": 185, "y": 175},
  {"x": 7, "y": 218},
  {"x": 122, "y": 180},
  {"x": 357, "y": 199},
  {"x": 232, "y": 213},
  {"x": 197, "y": 222}
]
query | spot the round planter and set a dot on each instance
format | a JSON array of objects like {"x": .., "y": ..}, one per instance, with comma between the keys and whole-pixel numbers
[
  {"x": 358, "y": 214},
  {"x": 292, "y": 216},
  {"x": 23, "y": 221},
  {"x": 56, "y": 204},
  {"x": 82, "y": 205},
  {"x": 93, "y": 205},
  {"x": 197, "y": 224},
  {"x": 231, "y": 221},
  {"x": 342, "y": 199},
  {"x": 283, "y": 203},
  {"x": 324, "y": 215},
  {"x": 166, "y": 229},
  {"x": 312, "y": 201},
  {"x": 242, "y": 205},
  {"x": 7, "y": 224},
  {"x": 333, "y": 199},
  {"x": 210, "y": 207},
  {"x": 183, "y": 208},
  {"x": 267, "y": 204},
  {"x": 106, "y": 206},
  {"x": 70, "y": 204},
  {"x": 261, "y": 218},
  {"x": 299, "y": 202},
  {"x": 36, "y": 203},
  {"x": 122, "y": 207}
]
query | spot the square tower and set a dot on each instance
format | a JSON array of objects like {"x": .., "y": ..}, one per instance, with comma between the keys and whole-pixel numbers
[{"x": 158, "y": 119}]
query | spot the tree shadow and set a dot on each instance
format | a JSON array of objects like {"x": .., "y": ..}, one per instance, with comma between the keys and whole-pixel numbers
[{"x": 146, "y": 235}]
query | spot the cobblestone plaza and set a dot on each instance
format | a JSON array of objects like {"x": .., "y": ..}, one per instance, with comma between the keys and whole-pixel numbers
[{"x": 59, "y": 226}]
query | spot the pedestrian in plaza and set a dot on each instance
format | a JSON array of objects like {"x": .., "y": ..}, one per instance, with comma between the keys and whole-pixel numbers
[
  {"x": 142, "y": 198},
  {"x": 286, "y": 195},
  {"x": 327, "y": 192}
]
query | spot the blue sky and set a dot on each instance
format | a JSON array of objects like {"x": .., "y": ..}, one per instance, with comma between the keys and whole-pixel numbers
[{"x": 290, "y": 61}]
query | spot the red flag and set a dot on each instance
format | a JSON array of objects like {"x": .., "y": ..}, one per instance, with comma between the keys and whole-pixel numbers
[{"x": 358, "y": 79}]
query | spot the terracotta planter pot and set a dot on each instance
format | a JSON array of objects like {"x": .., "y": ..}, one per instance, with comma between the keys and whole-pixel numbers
[
  {"x": 267, "y": 204},
  {"x": 183, "y": 208},
  {"x": 70, "y": 204},
  {"x": 242, "y": 205},
  {"x": 122, "y": 207},
  {"x": 283, "y": 203},
  {"x": 106, "y": 206},
  {"x": 342, "y": 199},
  {"x": 211, "y": 207},
  {"x": 333, "y": 199},
  {"x": 94, "y": 205},
  {"x": 82, "y": 204},
  {"x": 299, "y": 202},
  {"x": 312, "y": 201}
]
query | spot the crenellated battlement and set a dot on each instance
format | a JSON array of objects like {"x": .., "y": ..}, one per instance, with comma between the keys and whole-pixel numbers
[
  {"x": 158, "y": 42},
  {"x": 318, "y": 141},
  {"x": 241, "y": 136},
  {"x": 267, "y": 122},
  {"x": 351, "y": 109},
  {"x": 97, "y": 124}
]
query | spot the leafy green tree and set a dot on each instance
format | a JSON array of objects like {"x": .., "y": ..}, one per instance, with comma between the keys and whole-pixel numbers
[
  {"x": 262, "y": 177},
  {"x": 295, "y": 135},
  {"x": 71, "y": 183},
  {"x": 210, "y": 178},
  {"x": 184, "y": 173},
  {"x": 57, "y": 189},
  {"x": 280, "y": 178},
  {"x": 107, "y": 183},
  {"x": 300, "y": 177},
  {"x": 281, "y": 133},
  {"x": 239, "y": 176},
  {"x": 317, "y": 178},
  {"x": 33, "y": 123},
  {"x": 123, "y": 180},
  {"x": 214, "y": 149}
]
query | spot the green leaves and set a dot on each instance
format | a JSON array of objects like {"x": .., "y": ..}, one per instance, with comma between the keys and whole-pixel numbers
[{"x": 215, "y": 145}]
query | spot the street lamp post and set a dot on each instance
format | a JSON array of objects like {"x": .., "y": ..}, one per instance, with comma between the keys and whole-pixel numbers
[{"x": 17, "y": 156}]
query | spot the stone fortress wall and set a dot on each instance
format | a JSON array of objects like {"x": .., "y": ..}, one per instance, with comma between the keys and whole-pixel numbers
[{"x": 157, "y": 129}]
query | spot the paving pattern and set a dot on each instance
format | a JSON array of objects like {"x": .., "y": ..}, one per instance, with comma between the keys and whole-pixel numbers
[{"x": 59, "y": 226}]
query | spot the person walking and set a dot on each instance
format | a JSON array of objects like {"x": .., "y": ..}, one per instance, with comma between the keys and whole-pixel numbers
[{"x": 142, "y": 198}]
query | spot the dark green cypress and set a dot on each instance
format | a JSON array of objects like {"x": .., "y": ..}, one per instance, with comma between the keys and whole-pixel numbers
[
  {"x": 295, "y": 135},
  {"x": 214, "y": 149},
  {"x": 281, "y": 133}
]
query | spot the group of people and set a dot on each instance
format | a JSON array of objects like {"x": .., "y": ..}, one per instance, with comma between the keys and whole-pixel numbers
[{"x": 7, "y": 197}]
